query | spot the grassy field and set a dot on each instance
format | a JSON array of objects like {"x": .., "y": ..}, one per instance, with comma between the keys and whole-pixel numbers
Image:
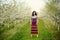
[{"x": 23, "y": 32}]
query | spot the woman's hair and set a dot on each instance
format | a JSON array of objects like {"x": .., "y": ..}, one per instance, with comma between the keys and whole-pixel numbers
[{"x": 34, "y": 13}]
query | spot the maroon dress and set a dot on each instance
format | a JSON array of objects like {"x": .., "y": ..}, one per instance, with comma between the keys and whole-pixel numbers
[{"x": 34, "y": 29}]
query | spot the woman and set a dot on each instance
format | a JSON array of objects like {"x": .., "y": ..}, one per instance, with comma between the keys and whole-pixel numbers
[{"x": 34, "y": 29}]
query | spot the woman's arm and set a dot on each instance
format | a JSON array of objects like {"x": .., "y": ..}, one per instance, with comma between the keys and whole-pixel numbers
[
  {"x": 30, "y": 21},
  {"x": 37, "y": 20}
]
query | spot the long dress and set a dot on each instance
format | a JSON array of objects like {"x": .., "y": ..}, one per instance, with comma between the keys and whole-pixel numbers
[{"x": 34, "y": 29}]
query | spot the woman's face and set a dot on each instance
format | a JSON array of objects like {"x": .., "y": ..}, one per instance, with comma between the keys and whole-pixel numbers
[{"x": 34, "y": 13}]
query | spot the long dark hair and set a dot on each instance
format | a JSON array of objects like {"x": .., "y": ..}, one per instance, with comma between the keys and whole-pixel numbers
[{"x": 34, "y": 13}]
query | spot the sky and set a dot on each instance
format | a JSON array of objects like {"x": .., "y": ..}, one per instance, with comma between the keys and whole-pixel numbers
[{"x": 34, "y": 4}]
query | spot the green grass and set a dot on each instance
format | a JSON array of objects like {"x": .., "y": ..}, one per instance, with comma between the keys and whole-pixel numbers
[{"x": 24, "y": 32}]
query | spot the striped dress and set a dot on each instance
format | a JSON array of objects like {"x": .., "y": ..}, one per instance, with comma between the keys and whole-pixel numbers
[{"x": 34, "y": 29}]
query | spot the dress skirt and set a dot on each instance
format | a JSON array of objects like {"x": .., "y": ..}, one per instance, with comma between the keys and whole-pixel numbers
[{"x": 34, "y": 29}]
